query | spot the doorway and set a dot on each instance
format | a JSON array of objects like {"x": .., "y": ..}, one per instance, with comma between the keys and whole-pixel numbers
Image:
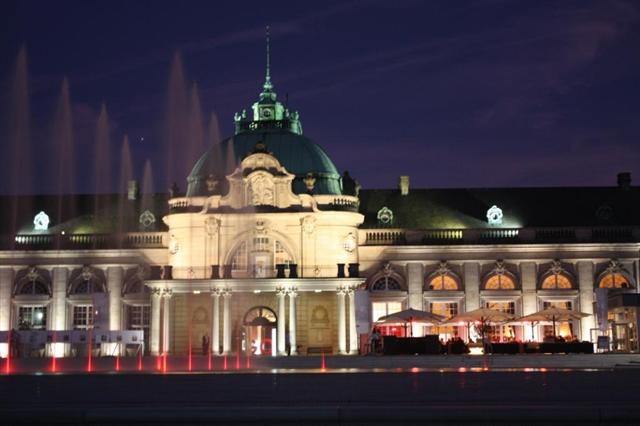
[{"x": 260, "y": 328}]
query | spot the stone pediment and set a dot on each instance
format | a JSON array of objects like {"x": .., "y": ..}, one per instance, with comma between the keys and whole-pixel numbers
[{"x": 260, "y": 180}]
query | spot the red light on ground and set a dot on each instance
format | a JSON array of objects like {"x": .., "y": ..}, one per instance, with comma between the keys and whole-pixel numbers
[
  {"x": 118, "y": 363},
  {"x": 323, "y": 365},
  {"x": 139, "y": 361},
  {"x": 462, "y": 370},
  {"x": 209, "y": 361},
  {"x": 225, "y": 366},
  {"x": 248, "y": 361},
  {"x": 414, "y": 369}
]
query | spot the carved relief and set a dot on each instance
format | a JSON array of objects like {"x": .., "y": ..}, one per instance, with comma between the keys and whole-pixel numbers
[
  {"x": 308, "y": 224},
  {"x": 261, "y": 190}
]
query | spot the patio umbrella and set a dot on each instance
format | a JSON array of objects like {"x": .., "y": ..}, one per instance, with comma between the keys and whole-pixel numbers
[
  {"x": 553, "y": 315},
  {"x": 411, "y": 316},
  {"x": 483, "y": 315}
]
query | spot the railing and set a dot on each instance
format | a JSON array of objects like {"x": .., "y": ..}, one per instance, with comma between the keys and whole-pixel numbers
[
  {"x": 84, "y": 241},
  {"x": 385, "y": 236},
  {"x": 397, "y": 236},
  {"x": 337, "y": 202}
]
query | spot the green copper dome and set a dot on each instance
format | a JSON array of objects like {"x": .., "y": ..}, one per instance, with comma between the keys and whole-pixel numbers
[
  {"x": 297, "y": 153},
  {"x": 281, "y": 131}
]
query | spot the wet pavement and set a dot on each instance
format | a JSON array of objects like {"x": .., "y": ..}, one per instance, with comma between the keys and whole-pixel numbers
[{"x": 350, "y": 391}]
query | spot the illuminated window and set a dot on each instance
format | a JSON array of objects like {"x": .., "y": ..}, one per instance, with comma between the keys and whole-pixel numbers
[
  {"x": 556, "y": 281},
  {"x": 564, "y": 328},
  {"x": 443, "y": 282},
  {"x": 506, "y": 307},
  {"x": 32, "y": 317},
  {"x": 258, "y": 257},
  {"x": 444, "y": 309},
  {"x": 386, "y": 283},
  {"x": 614, "y": 280},
  {"x": 381, "y": 309},
  {"x": 500, "y": 282},
  {"x": 83, "y": 317}
]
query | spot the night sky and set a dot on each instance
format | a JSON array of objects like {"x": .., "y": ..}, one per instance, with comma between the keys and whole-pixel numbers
[{"x": 454, "y": 94}]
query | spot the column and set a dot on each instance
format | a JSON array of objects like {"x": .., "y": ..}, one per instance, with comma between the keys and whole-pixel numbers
[
  {"x": 471, "y": 273},
  {"x": 215, "y": 331},
  {"x": 166, "y": 318},
  {"x": 342, "y": 335},
  {"x": 415, "y": 284},
  {"x": 58, "y": 299},
  {"x": 115, "y": 277},
  {"x": 528, "y": 273},
  {"x": 280, "y": 294},
  {"x": 293, "y": 343},
  {"x": 6, "y": 283},
  {"x": 353, "y": 331},
  {"x": 585, "y": 282},
  {"x": 226, "y": 322},
  {"x": 154, "y": 339},
  {"x": 58, "y": 311}
]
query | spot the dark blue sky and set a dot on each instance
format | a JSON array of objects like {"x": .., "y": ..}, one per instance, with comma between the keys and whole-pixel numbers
[{"x": 454, "y": 94}]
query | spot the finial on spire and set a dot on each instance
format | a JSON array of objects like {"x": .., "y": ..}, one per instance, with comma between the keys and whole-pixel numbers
[{"x": 267, "y": 81}]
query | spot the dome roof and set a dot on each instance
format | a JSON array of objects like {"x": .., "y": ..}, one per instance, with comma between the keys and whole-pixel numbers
[{"x": 297, "y": 153}]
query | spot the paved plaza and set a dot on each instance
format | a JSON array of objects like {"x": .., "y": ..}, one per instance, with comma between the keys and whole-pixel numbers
[{"x": 526, "y": 389}]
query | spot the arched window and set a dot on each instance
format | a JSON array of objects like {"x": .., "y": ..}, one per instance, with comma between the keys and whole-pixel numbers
[
  {"x": 33, "y": 282},
  {"x": 443, "y": 282},
  {"x": 500, "y": 282},
  {"x": 443, "y": 279},
  {"x": 499, "y": 278},
  {"x": 259, "y": 315},
  {"x": 36, "y": 287},
  {"x": 558, "y": 281},
  {"x": 86, "y": 281},
  {"x": 614, "y": 280},
  {"x": 386, "y": 284},
  {"x": 615, "y": 276},
  {"x": 258, "y": 257},
  {"x": 134, "y": 281}
]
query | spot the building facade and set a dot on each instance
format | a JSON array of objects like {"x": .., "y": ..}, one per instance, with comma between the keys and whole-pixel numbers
[{"x": 271, "y": 250}]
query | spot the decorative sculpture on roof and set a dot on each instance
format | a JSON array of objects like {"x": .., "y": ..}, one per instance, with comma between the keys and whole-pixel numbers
[
  {"x": 494, "y": 215},
  {"x": 41, "y": 222},
  {"x": 385, "y": 216},
  {"x": 147, "y": 219}
]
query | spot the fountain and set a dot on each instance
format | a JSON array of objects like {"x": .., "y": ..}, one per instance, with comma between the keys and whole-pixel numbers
[
  {"x": 65, "y": 152},
  {"x": 19, "y": 161},
  {"x": 123, "y": 187}
]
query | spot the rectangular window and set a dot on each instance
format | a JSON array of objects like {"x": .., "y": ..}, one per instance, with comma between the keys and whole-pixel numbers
[
  {"x": 32, "y": 317},
  {"x": 564, "y": 329},
  {"x": 502, "y": 333},
  {"x": 139, "y": 317},
  {"x": 83, "y": 317},
  {"x": 506, "y": 307},
  {"x": 380, "y": 309},
  {"x": 445, "y": 309}
]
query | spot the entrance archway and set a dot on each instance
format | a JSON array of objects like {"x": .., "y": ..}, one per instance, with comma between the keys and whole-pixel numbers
[{"x": 260, "y": 325}]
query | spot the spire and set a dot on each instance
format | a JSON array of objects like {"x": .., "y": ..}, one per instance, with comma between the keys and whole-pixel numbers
[{"x": 267, "y": 81}]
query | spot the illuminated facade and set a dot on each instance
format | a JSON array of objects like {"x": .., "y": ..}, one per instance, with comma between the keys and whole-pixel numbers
[{"x": 272, "y": 250}]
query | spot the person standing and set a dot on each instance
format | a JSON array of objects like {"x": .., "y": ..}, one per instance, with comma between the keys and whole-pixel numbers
[{"x": 205, "y": 344}]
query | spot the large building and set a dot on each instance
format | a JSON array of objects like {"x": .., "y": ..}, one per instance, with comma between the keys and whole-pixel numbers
[{"x": 272, "y": 249}]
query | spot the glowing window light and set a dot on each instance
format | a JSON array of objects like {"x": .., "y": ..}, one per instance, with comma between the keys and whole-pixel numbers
[{"x": 41, "y": 222}]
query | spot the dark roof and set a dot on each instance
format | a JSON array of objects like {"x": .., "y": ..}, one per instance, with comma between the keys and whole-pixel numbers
[
  {"x": 81, "y": 213},
  {"x": 522, "y": 207}
]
